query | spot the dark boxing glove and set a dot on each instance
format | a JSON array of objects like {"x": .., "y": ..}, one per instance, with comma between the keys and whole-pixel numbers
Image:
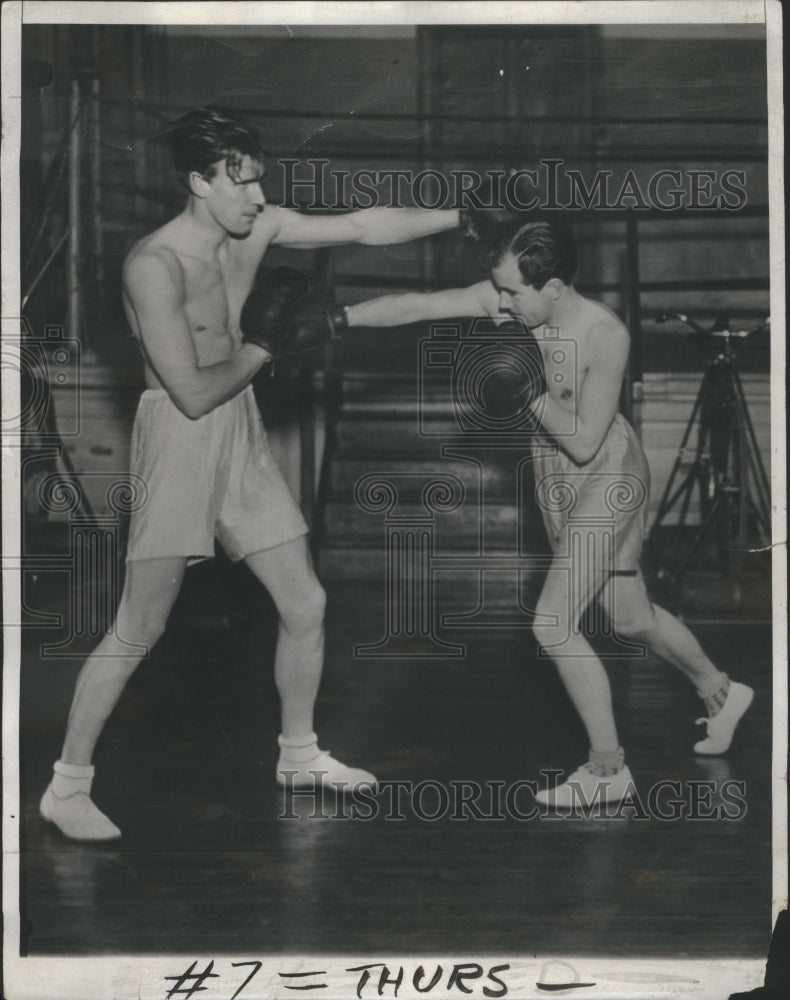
[
  {"x": 517, "y": 378},
  {"x": 285, "y": 316},
  {"x": 313, "y": 320}
]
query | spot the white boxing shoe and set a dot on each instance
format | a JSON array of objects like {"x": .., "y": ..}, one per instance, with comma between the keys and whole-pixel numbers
[
  {"x": 77, "y": 817},
  {"x": 721, "y": 727},
  {"x": 322, "y": 771},
  {"x": 584, "y": 789}
]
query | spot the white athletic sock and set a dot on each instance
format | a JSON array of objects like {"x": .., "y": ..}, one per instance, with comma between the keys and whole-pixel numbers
[
  {"x": 67, "y": 803},
  {"x": 69, "y": 779},
  {"x": 714, "y": 695},
  {"x": 605, "y": 763},
  {"x": 298, "y": 749},
  {"x": 303, "y": 764}
]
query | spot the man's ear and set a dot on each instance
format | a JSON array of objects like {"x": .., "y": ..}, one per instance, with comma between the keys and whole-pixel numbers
[
  {"x": 198, "y": 185},
  {"x": 556, "y": 287}
]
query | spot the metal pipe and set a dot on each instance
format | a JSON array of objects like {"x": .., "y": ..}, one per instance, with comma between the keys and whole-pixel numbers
[
  {"x": 634, "y": 311},
  {"x": 52, "y": 186},
  {"x": 169, "y": 111},
  {"x": 95, "y": 195},
  {"x": 401, "y": 283},
  {"x": 312, "y": 412},
  {"x": 425, "y": 95},
  {"x": 307, "y": 443},
  {"x": 73, "y": 288},
  {"x": 45, "y": 268},
  {"x": 308, "y": 409}
]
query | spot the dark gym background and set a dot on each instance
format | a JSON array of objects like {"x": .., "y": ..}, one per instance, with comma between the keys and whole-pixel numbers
[{"x": 185, "y": 766}]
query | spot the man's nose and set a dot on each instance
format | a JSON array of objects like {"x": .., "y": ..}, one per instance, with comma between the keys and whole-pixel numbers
[{"x": 257, "y": 196}]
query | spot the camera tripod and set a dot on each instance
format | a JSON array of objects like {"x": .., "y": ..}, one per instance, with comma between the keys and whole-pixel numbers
[{"x": 726, "y": 466}]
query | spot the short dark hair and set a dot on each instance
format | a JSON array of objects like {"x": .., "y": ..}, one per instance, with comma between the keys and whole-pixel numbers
[
  {"x": 544, "y": 248},
  {"x": 204, "y": 137}
]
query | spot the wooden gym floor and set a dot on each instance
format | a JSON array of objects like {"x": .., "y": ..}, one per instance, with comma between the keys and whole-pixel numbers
[{"x": 207, "y": 864}]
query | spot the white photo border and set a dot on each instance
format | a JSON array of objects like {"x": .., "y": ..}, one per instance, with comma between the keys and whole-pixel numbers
[{"x": 141, "y": 977}]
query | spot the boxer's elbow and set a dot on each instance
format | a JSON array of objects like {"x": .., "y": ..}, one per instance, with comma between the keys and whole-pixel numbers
[
  {"x": 195, "y": 411},
  {"x": 193, "y": 402},
  {"x": 583, "y": 454},
  {"x": 582, "y": 447}
]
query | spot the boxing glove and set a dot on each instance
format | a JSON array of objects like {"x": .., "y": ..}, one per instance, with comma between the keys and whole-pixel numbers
[
  {"x": 312, "y": 320},
  {"x": 285, "y": 316},
  {"x": 517, "y": 380}
]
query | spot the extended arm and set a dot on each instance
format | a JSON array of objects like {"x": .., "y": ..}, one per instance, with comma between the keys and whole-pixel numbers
[
  {"x": 582, "y": 435},
  {"x": 155, "y": 292},
  {"x": 371, "y": 226},
  {"x": 476, "y": 300}
]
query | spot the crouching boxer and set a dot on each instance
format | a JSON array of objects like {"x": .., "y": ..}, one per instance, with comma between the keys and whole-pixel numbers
[
  {"x": 199, "y": 445},
  {"x": 582, "y": 447}
]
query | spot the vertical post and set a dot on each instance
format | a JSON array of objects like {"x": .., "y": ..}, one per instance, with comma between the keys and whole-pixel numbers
[
  {"x": 512, "y": 128},
  {"x": 308, "y": 411},
  {"x": 158, "y": 164},
  {"x": 307, "y": 442},
  {"x": 426, "y": 58},
  {"x": 95, "y": 195},
  {"x": 595, "y": 140},
  {"x": 75, "y": 221},
  {"x": 140, "y": 206},
  {"x": 632, "y": 397}
]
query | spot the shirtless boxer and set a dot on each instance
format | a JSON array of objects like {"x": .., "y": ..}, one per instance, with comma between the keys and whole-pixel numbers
[
  {"x": 199, "y": 445},
  {"x": 581, "y": 440}
]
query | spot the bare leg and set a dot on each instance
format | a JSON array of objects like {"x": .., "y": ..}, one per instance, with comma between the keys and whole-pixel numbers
[
  {"x": 604, "y": 778},
  {"x": 150, "y": 589},
  {"x": 632, "y": 614},
  {"x": 287, "y": 573},
  {"x": 581, "y": 671}
]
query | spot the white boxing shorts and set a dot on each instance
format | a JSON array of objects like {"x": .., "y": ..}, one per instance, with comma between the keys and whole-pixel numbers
[{"x": 214, "y": 477}]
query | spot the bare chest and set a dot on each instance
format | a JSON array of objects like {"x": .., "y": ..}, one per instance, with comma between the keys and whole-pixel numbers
[
  {"x": 214, "y": 294},
  {"x": 566, "y": 367}
]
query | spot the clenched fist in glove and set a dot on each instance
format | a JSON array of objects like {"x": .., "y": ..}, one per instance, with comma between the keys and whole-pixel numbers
[
  {"x": 517, "y": 378},
  {"x": 284, "y": 315}
]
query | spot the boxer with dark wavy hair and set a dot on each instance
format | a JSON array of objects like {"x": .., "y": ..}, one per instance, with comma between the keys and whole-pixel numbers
[{"x": 199, "y": 444}]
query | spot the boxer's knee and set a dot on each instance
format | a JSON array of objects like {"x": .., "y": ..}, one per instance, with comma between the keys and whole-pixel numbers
[
  {"x": 305, "y": 613},
  {"x": 551, "y": 623},
  {"x": 149, "y": 593},
  {"x": 633, "y": 622},
  {"x": 142, "y": 622}
]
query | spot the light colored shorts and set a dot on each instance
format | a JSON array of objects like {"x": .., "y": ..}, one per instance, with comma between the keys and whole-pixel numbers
[
  {"x": 602, "y": 504},
  {"x": 214, "y": 477}
]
